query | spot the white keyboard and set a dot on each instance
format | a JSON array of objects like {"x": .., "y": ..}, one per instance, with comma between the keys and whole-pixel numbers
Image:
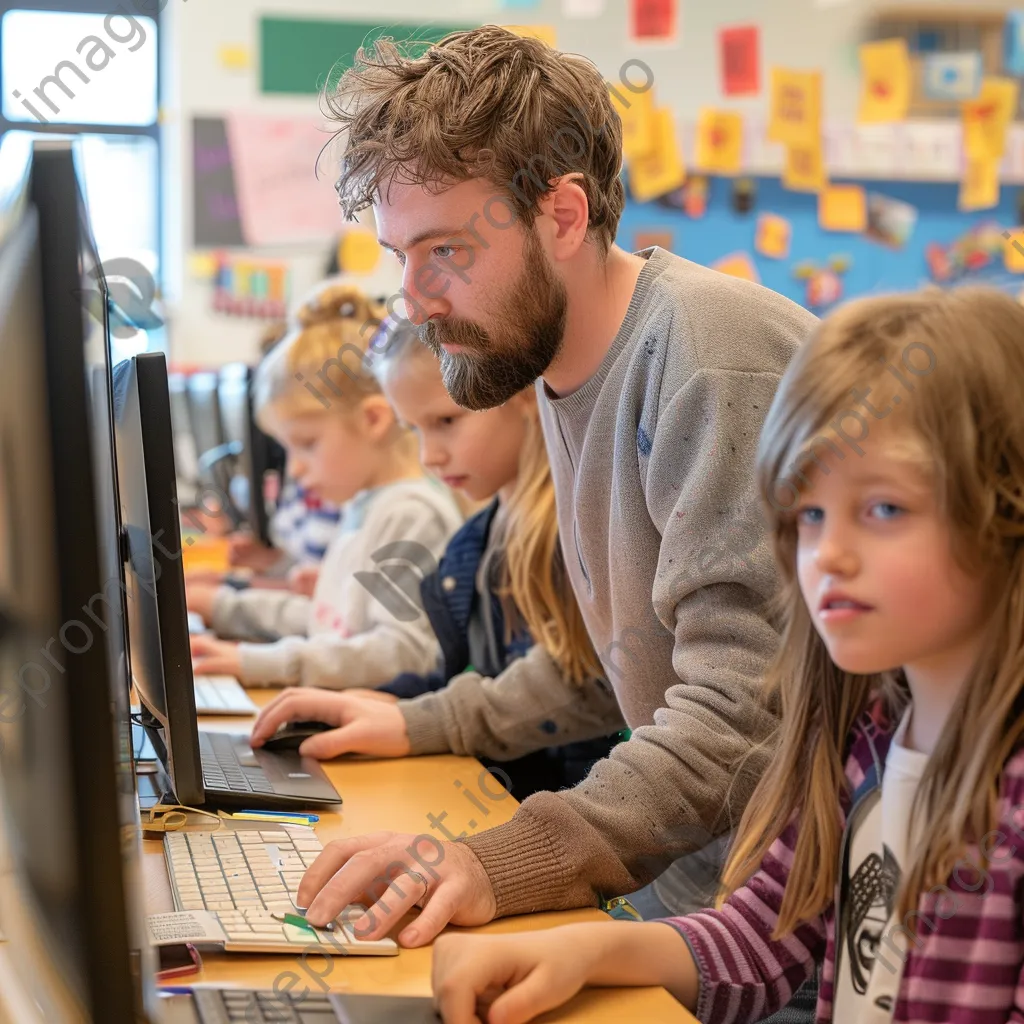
[
  {"x": 222, "y": 695},
  {"x": 250, "y": 879}
]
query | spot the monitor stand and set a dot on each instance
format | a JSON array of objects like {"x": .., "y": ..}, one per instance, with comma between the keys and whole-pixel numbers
[{"x": 153, "y": 783}]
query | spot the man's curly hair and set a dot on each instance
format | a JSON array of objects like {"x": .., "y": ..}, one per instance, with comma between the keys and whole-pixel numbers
[{"x": 484, "y": 103}]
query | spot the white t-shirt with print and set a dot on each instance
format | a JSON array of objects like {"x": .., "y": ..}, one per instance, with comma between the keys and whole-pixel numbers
[{"x": 871, "y": 960}]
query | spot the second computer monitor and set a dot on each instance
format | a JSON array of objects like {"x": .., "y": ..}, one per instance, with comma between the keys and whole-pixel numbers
[{"x": 157, "y": 613}]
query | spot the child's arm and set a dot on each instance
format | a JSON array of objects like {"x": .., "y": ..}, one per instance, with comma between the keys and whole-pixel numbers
[
  {"x": 258, "y": 614},
  {"x": 538, "y": 971},
  {"x": 383, "y": 644},
  {"x": 530, "y": 706},
  {"x": 726, "y": 967}
]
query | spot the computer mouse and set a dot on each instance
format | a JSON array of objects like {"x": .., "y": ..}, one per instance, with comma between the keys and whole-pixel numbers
[{"x": 291, "y": 735}]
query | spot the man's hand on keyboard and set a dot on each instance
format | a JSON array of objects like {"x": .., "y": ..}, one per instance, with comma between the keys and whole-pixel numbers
[
  {"x": 212, "y": 657},
  {"x": 365, "y": 725},
  {"x": 387, "y": 872}
]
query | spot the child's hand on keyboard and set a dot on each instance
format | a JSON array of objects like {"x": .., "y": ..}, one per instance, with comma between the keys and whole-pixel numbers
[
  {"x": 365, "y": 725},
  {"x": 212, "y": 657},
  {"x": 199, "y": 598}
]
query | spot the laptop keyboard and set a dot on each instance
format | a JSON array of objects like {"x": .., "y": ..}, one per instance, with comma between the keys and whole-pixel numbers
[
  {"x": 218, "y": 1006},
  {"x": 223, "y": 772},
  {"x": 250, "y": 879}
]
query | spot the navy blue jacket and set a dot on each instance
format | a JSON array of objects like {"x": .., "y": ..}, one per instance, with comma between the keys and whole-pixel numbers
[{"x": 451, "y": 599}]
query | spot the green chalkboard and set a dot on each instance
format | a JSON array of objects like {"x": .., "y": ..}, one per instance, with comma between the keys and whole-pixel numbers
[{"x": 298, "y": 55}]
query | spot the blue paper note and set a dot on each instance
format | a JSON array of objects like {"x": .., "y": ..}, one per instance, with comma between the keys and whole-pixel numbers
[
  {"x": 1015, "y": 42},
  {"x": 952, "y": 76}
]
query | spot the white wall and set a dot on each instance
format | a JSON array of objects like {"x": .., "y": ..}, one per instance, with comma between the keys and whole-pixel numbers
[{"x": 795, "y": 33}]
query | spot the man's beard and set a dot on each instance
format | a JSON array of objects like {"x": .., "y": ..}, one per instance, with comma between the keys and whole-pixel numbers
[{"x": 498, "y": 365}]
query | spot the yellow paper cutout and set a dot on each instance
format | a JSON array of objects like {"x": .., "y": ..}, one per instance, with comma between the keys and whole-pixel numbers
[
  {"x": 1013, "y": 255},
  {"x": 805, "y": 168},
  {"x": 773, "y": 236},
  {"x": 662, "y": 170},
  {"x": 738, "y": 264},
  {"x": 719, "y": 142},
  {"x": 843, "y": 208},
  {"x": 979, "y": 189},
  {"x": 201, "y": 265},
  {"x": 358, "y": 251},
  {"x": 987, "y": 117},
  {"x": 234, "y": 58},
  {"x": 885, "y": 81},
  {"x": 637, "y": 121},
  {"x": 545, "y": 33},
  {"x": 795, "y": 107}
]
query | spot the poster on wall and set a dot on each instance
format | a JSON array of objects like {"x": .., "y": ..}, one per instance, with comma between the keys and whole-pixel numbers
[
  {"x": 654, "y": 21},
  {"x": 215, "y": 213},
  {"x": 280, "y": 197}
]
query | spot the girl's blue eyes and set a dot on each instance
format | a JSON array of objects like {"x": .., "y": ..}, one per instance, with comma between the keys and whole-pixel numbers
[
  {"x": 813, "y": 515},
  {"x": 887, "y": 504}
]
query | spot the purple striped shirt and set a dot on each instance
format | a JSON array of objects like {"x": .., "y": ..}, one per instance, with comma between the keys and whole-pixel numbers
[{"x": 966, "y": 940}]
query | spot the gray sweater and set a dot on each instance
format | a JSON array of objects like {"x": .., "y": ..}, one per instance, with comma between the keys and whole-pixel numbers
[{"x": 663, "y": 539}]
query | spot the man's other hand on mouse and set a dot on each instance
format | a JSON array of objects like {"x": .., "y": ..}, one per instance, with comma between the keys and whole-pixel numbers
[{"x": 363, "y": 724}]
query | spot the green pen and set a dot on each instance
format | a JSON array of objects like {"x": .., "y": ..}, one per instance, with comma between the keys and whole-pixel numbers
[{"x": 301, "y": 922}]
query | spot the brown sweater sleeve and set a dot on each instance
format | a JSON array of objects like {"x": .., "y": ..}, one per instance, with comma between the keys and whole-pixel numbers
[{"x": 664, "y": 793}]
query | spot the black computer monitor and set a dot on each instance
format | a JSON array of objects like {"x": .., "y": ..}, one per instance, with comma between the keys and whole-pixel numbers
[
  {"x": 71, "y": 828},
  {"x": 158, "y": 622},
  {"x": 157, "y": 613},
  {"x": 259, "y": 455}
]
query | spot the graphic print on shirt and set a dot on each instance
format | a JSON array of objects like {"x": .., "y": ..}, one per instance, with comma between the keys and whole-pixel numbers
[{"x": 872, "y": 896}]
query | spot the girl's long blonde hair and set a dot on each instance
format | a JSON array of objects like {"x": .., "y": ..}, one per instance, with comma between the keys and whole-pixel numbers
[
  {"x": 535, "y": 587},
  {"x": 962, "y": 353}
]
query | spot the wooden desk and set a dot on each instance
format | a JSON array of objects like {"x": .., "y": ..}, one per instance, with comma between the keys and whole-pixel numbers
[{"x": 398, "y": 795}]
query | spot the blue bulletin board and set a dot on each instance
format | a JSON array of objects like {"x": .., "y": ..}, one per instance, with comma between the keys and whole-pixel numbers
[{"x": 874, "y": 267}]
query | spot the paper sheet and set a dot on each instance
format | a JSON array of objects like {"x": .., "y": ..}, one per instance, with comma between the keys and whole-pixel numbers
[
  {"x": 545, "y": 33},
  {"x": 1014, "y": 56},
  {"x": 740, "y": 55},
  {"x": 738, "y": 264},
  {"x": 645, "y": 239},
  {"x": 953, "y": 77},
  {"x": 1014, "y": 253},
  {"x": 773, "y": 236},
  {"x": 358, "y": 251},
  {"x": 843, "y": 208},
  {"x": 890, "y": 221},
  {"x": 280, "y": 198},
  {"x": 196, "y": 926},
  {"x": 662, "y": 170},
  {"x": 987, "y": 118},
  {"x": 795, "y": 105},
  {"x": 805, "y": 168},
  {"x": 582, "y": 8},
  {"x": 885, "y": 81},
  {"x": 636, "y": 111},
  {"x": 719, "y": 142},
  {"x": 979, "y": 189},
  {"x": 654, "y": 20}
]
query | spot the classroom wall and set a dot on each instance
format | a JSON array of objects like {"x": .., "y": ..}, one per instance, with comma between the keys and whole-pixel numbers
[{"x": 796, "y": 33}]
